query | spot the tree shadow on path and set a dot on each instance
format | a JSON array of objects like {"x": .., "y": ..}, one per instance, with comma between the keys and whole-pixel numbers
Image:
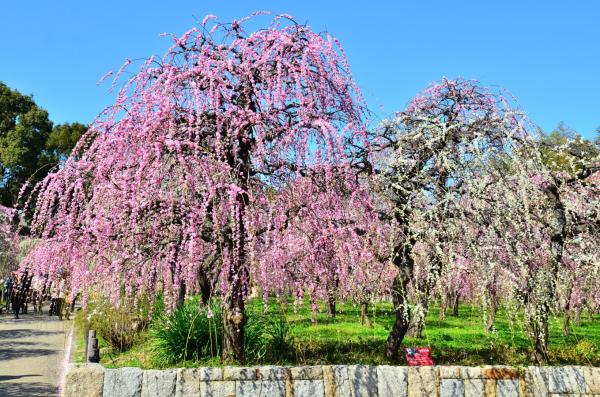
[
  {"x": 19, "y": 352},
  {"x": 13, "y": 389},
  {"x": 28, "y": 318},
  {"x": 13, "y": 349},
  {"x": 25, "y": 333}
]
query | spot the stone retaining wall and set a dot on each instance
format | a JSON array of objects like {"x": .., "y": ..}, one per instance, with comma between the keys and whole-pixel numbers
[{"x": 93, "y": 380}]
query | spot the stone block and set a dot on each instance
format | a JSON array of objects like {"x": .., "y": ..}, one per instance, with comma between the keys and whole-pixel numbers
[
  {"x": 342, "y": 386},
  {"x": 471, "y": 373},
  {"x": 450, "y": 372},
  {"x": 122, "y": 382},
  {"x": 565, "y": 380},
  {"x": 289, "y": 387},
  {"x": 536, "y": 379},
  {"x": 489, "y": 388},
  {"x": 217, "y": 388},
  {"x": 522, "y": 387},
  {"x": 210, "y": 373},
  {"x": 363, "y": 380},
  {"x": 188, "y": 382},
  {"x": 507, "y": 388},
  {"x": 157, "y": 383},
  {"x": 452, "y": 388},
  {"x": 592, "y": 379},
  {"x": 85, "y": 380},
  {"x": 474, "y": 387},
  {"x": 500, "y": 372},
  {"x": 273, "y": 388},
  {"x": 248, "y": 388},
  {"x": 328, "y": 380},
  {"x": 270, "y": 372},
  {"x": 239, "y": 373},
  {"x": 309, "y": 388},
  {"x": 421, "y": 381},
  {"x": 312, "y": 372},
  {"x": 392, "y": 381},
  {"x": 259, "y": 388}
]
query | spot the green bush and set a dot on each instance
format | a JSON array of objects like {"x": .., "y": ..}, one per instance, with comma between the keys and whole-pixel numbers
[{"x": 118, "y": 325}]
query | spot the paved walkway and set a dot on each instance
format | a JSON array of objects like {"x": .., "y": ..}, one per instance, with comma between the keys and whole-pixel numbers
[{"x": 32, "y": 351}]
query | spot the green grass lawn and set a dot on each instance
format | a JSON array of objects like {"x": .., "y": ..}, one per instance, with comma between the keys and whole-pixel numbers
[{"x": 343, "y": 340}]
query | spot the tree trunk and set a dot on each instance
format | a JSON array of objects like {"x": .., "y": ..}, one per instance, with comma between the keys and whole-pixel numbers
[
  {"x": 577, "y": 316},
  {"x": 205, "y": 287},
  {"x": 455, "y": 301},
  {"x": 313, "y": 309},
  {"x": 21, "y": 295},
  {"x": 331, "y": 304},
  {"x": 538, "y": 329},
  {"x": 492, "y": 309},
  {"x": 234, "y": 310},
  {"x": 544, "y": 281},
  {"x": 180, "y": 295},
  {"x": 404, "y": 262},
  {"x": 417, "y": 322},
  {"x": 364, "y": 314},
  {"x": 567, "y": 322},
  {"x": 238, "y": 273},
  {"x": 443, "y": 306},
  {"x": 402, "y": 312},
  {"x": 567, "y": 310},
  {"x": 234, "y": 318}
]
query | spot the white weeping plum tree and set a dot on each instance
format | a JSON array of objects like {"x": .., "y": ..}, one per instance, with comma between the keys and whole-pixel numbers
[
  {"x": 541, "y": 226},
  {"x": 423, "y": 163}
]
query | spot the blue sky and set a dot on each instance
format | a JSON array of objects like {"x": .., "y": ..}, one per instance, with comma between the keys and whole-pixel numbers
[{"x": 546, "y": 53}]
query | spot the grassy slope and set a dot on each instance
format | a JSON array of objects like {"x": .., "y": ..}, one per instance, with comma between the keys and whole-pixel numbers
[{"x": 460, "y": 341}]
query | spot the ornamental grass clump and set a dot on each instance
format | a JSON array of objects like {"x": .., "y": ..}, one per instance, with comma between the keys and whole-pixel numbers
[
  {"x": 268, "y": 337},
  {"x": 190, "y": 333},
  {"x": 194, "y": 333}
]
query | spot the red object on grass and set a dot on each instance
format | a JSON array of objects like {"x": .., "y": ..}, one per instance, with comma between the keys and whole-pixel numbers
[{"x": 418, "y": 356}]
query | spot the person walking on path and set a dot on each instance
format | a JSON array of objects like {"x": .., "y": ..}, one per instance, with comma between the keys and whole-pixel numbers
[{"x": 20, "y": 292}]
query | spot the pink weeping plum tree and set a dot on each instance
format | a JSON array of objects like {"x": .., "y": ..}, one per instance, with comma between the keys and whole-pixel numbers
[
  {"x": 176, "y": 186},
  {"x": 9, "y": 241},
  {"x": 337, "y": 259}
]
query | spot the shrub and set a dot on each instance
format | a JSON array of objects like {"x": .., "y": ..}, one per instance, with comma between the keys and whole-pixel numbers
[{"x": 118, "y": 325}]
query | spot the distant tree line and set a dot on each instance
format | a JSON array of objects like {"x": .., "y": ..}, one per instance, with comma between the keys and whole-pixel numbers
[{"x": 31, "y": 145}]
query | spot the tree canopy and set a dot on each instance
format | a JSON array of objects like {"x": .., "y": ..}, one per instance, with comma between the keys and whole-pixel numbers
[
  {"x": 565, "y": 150},
  {"x": 30, "y": 146}
]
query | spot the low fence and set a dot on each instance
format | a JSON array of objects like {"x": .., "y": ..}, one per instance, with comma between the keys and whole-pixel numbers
[{"x": 93, "y": 380}]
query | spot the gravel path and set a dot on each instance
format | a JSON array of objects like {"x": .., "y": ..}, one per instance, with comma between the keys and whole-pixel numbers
[{"x": 32, "y": 354}]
